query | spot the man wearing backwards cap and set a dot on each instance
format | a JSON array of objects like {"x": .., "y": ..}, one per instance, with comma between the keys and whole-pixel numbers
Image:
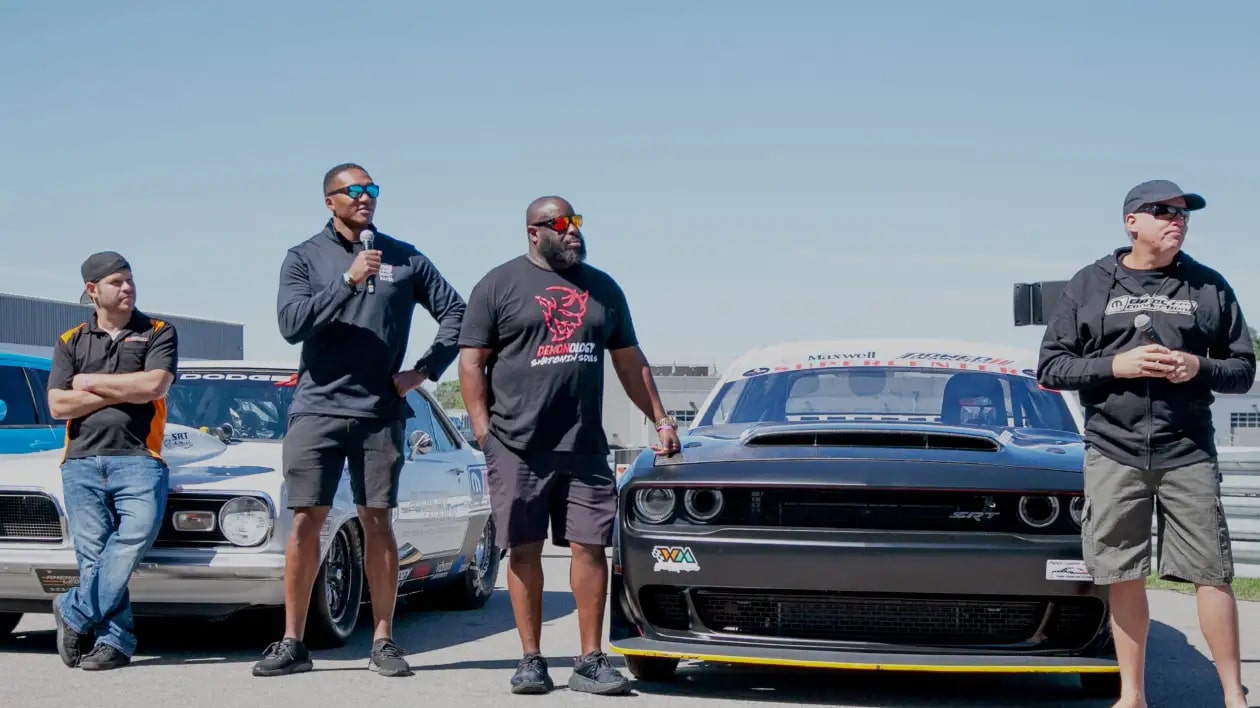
[
  {"x": 108, "y": 382},
  {"x": 1148, "y": 423}
]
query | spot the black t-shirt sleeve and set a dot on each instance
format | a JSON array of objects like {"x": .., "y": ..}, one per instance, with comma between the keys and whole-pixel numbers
[
  {"x": 163, "y": 351},
  {"x": 62, "y": 371},
  {"x": 480, "y": 326},
  {"x": 622, "y": 334}
]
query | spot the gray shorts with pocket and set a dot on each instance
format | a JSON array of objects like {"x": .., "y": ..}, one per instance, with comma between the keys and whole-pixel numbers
[
  {"x": 318, "y": 448},
  {"x": 1193, "y": 537}
]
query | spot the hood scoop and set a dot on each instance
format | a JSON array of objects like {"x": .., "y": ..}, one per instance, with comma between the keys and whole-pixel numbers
[{"x": 830, "y": 436}]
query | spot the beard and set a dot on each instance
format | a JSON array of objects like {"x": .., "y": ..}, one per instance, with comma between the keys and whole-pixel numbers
[{"x": 560, "y": 256}]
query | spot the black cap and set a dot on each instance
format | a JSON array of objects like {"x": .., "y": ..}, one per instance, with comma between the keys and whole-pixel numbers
[
  {"x": 100, "y": 265},
  {"x": 1159, "y": 190}
]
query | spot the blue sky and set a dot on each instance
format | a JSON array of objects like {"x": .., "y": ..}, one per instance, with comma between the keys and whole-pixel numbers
[{"x": 750, "y": 172}]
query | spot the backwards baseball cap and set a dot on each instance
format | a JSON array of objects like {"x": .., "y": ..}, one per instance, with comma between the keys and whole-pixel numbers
[
  {"x": 1159, "y": 190},
  {"x": 98, "y": 266}
]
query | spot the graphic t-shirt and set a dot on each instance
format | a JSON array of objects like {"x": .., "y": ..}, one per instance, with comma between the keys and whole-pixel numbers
[{"x": 549, "y": 331}]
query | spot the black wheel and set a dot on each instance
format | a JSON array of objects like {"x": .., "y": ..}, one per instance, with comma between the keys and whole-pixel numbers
[
  {"x": 9, "y": 622},
  {"x": 1101, "y": 685},
  {"x": 338, "y": 591},
  {"x": 476, "y": 584},
  {"x": 651, "y": 668}
]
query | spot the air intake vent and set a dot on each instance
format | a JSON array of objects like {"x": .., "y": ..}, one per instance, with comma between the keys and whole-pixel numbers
[{"x": 874, "y": 438}]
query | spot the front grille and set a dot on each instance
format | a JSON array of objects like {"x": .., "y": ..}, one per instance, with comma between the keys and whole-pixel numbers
[
  {"x": 1037, "y": 623},
  {"x": 950, "y": 511},
  {"x": 29, "y": 517}
]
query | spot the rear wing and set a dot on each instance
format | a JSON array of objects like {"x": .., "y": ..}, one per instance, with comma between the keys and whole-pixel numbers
[{"x": 1034, "y": 302}]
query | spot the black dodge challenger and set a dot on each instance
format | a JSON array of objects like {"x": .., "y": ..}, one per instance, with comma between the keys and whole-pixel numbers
[{"x": 893, "y": 505}]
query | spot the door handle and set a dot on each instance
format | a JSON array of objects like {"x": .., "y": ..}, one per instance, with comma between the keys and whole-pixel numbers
[{"x": 456, "y": 471}]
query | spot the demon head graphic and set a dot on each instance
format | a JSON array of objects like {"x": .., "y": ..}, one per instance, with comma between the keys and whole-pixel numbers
[{"x": 564, "y": 309}]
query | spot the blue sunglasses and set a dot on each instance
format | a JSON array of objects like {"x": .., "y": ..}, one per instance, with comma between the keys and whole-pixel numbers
[{"x": 355, "y": 191}]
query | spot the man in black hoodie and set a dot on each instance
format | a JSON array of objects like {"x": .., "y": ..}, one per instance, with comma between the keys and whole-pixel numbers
[{"x": 1148, "y": 422}]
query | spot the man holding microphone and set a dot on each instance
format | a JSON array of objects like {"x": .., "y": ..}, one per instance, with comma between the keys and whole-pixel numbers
[
  {"x": 1147, "y": 335},
  {"x": 347, "y": 294}
]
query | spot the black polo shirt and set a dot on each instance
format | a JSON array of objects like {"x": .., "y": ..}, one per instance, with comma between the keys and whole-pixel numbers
[{"x": 145, "y": 344}]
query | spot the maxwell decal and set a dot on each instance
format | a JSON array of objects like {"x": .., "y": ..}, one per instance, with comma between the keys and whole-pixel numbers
[{"x": 674, "y": 559}]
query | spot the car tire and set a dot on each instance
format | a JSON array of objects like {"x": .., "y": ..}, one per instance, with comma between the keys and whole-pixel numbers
[
  {"x": 9, "y": 622},
  {"x": 1101, "y": 685},
  {"x": 338, "y": 591},
  {"x": 476, "y": 584},
  {"x": 651, "y": 668}
]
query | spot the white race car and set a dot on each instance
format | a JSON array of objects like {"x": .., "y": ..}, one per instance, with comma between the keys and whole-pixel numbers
[{"x": 221, "y": 546}]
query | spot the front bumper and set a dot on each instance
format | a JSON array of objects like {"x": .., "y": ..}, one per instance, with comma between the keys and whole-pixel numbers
[
  {"x": 919, "y": 601},
  {"x": 193, "y": 582}
]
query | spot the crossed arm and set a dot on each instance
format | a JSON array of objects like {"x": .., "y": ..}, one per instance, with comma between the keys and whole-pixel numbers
[{"x": 91, "y": 392}]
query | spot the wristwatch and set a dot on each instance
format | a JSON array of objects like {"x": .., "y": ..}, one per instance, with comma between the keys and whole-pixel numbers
[{"x": 345, "y": 278}]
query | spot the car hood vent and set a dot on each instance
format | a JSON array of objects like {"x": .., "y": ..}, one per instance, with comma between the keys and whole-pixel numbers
[{"x": 867, "y": 437}]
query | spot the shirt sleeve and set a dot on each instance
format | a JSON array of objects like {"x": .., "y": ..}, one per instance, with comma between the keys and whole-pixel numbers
[
  {"x": 301, "y": 311},
  {"x": 61, "y": 375},
  {"x": 622, "y": 334},
  {"x": 436, "y": 295},
  {"x": 481, "y": 321},
  {"x": 163, "y": 351}
]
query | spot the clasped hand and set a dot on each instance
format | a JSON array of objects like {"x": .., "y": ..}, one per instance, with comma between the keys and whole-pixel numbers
[{"x": 1155, "y": 361}]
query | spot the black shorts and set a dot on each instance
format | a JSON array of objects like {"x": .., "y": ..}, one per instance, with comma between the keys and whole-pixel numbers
[
  {"x": 574, "y": 493},
  {"x": 316, "y": 450}
]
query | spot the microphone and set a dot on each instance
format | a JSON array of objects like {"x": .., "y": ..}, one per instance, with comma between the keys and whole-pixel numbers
[
  {"x": 1142, "y": 323},
  {"x": 367, "y": 236}
]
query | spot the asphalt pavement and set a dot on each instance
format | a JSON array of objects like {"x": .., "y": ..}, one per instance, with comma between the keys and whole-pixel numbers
[{"x": 466, "y": 658}]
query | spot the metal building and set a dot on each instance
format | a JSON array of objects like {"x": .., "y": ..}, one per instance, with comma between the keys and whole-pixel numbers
[{"x": 31, "y": 325}]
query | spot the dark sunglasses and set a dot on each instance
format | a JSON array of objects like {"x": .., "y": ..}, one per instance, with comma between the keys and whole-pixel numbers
[
  {"x": 561, "y": 223},
  {"x": 355, "y": 191},
  {"x": 1160, "y": 211}
]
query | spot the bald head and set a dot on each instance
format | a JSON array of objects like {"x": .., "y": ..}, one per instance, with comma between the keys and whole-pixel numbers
[{"x": 544, "y": 208}]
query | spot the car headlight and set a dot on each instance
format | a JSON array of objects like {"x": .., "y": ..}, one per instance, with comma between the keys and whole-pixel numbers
[
  {"x": 654, "y": 505},
  {"x": 1077, "y": 509},
  {"x": 703, "y": 504},
  {"x": 245, "y": 521},
  {"x": 1038, "y": 512}
]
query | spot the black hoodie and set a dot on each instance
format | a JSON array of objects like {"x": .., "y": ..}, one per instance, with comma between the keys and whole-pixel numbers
[{"x": 1148, "y": 423}]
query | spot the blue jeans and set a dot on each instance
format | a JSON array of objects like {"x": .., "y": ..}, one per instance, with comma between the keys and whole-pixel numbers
[{"x": 114, "y": 507}]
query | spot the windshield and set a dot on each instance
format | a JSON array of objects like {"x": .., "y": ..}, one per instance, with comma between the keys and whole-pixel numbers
[
  {"x": 989, "y": 400},
  {"x": 254, "y": 402}
]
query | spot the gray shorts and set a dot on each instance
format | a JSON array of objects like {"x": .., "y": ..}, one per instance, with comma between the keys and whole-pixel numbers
[
  {"x": 574, "y": 493},
  {"x": 1193, "y": 537},
  {"x": 317, "y": 448}
]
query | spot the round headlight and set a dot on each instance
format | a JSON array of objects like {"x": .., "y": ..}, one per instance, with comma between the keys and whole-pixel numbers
[
  {"x": 703, "y": 504},
  {"x": 1077, "y": 509},
  {"x": 1038, "y": 512},
  {"x": 245, "y": 521},
  {"x": 654, "y": 505}
]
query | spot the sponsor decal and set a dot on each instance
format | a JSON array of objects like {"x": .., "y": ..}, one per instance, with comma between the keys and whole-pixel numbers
[
  {"x": 1067, "y": 570},
  {"x": 57, "y": 581},
  {"x": 1151, "y": 303},
  {"x": 674, "y": 559},
  {"x": 477, "y": 483},
  {"x": 834, "y": 357},
  {"x": 176, "y": 440},
  {"x": 885, "y": 363},
  {"x": 938, "y": 356},
  {"x": 221, "y": 376}
]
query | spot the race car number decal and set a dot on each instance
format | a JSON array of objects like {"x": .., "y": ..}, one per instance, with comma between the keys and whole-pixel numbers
[
  {"x": 674, "y": 559},
  {"x": 1067, "y": 570}
]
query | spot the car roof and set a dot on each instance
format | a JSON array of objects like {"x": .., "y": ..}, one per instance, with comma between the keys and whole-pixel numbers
[
  {"x": 238, "y": 364},
  {"x": 830, "y": 353},
  {"x": 15, "y": 359}
]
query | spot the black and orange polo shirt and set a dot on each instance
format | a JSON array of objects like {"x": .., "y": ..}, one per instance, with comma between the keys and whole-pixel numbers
[{"x": 145, "y": 344}]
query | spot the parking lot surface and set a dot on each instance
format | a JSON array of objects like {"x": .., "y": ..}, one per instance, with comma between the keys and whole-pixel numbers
[{"x": 466, "y": 659}]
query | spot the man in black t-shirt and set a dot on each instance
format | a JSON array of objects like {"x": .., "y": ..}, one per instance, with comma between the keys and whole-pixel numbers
[{"x": 531, "y": 372}]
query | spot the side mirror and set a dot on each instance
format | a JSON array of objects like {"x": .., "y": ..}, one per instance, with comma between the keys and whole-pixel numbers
[
  {"x": 4, "y": 409},
  {"x": 420, "y": 442}
]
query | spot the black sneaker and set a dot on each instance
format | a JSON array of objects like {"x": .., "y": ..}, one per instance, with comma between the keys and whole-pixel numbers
[
  {"x": 103, "y": 658},
  {"x": 288, "y": 656},
  {"x": 531, "y": 676},
  {"x": 69, "y": 642},
  {"x": 593, "y": 673},
  {"x": 387, "y": 659}
]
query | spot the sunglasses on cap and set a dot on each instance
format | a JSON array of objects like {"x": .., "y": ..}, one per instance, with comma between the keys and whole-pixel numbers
[
  {"x": 1160, "y": 211},
  {"x": 561, "y": 223},
  {"x": 355, "y": 191}
]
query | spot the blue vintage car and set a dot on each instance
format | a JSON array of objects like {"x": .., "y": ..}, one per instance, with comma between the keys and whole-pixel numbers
[{"x": 25, "y": 423}]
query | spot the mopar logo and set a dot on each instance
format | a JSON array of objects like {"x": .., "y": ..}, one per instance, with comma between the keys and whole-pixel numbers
[
  {"x": 476, "y": 482},
  {"x": 976, "y": 515}
]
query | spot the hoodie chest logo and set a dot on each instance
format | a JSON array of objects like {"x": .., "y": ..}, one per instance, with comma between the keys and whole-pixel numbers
[{"x": 1151, "y": 303}]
